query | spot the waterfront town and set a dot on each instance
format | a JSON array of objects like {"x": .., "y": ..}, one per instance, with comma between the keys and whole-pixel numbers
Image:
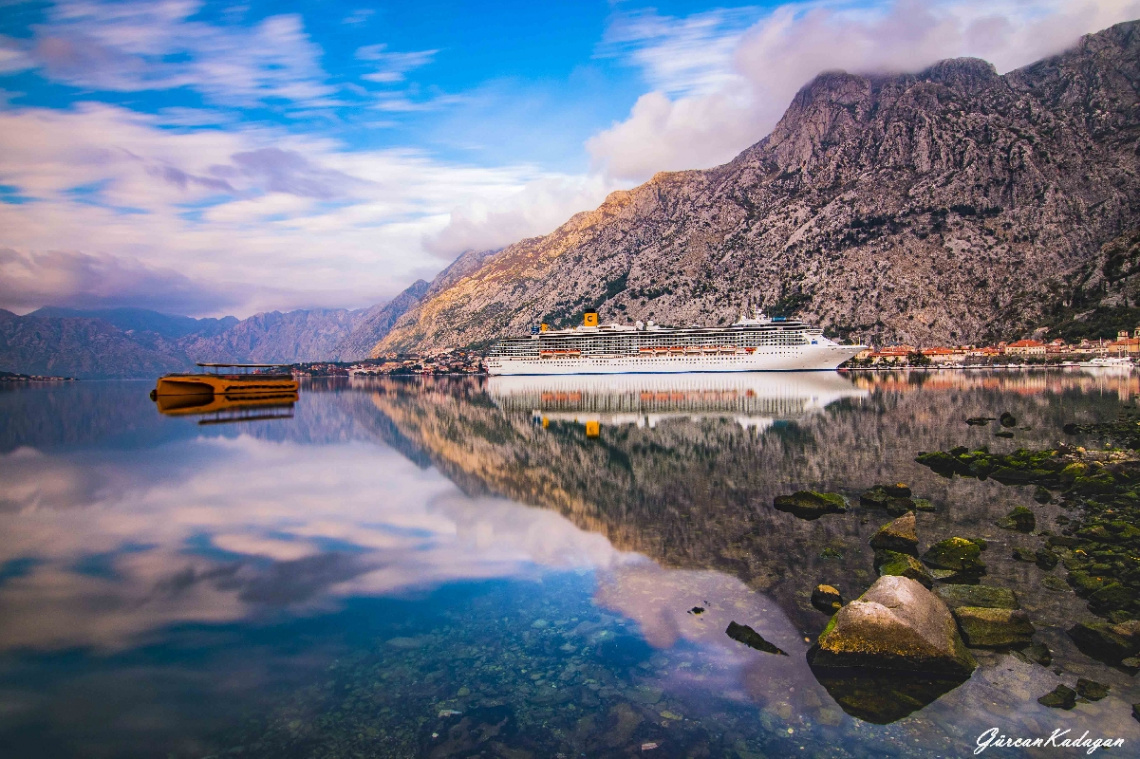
[{"x": 1027, "y": 351}]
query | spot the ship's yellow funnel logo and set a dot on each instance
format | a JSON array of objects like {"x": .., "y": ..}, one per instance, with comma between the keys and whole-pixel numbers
[
  {"x": 593, "y": 429},
  {"x": 543, "y": 327},
  {"x": 590, "y": 319}
]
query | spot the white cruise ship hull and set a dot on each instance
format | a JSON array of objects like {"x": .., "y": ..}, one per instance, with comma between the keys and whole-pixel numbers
[{"x": 822, "y": 357}]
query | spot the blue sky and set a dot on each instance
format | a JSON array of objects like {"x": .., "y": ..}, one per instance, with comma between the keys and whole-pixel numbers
[{"x": 209, "y": 157}]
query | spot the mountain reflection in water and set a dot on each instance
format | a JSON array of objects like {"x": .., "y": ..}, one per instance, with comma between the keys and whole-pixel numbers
[{"x": 415, "y": 567}]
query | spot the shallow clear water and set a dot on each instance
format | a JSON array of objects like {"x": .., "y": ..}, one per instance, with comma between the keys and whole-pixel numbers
[{"x": 463, "y": 568}]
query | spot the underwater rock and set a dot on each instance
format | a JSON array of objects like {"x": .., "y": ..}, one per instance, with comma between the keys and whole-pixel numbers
[
  {"x": 943, "y": 463},
  {"x": 809, "y": 504},
  {"x": 1046, "y": 559},
  {"x": 826, "y": 598},
  {"x": 751, "y": 638},
  {"x": 898, "y": 490},
  {"x": 923, "y": 504},
  {"x": 1107, "y": 642},
  {"x": 983, "y": 596},
  {"x": 1091, "y": 689},
  {"x": 697, "y": 610},
  {"x": 899, "y": 535},
  {"x": 979, "y": 421},
  {"x": 875, "y": 497},
  {"x": 902, "y": 565},
  {"x": 959, "y": 554},
  {"x": 900, "y": 506},
  {"x": 1042, "y": 495},
  {"x": 1007, "y": 419},
  {"x": 1036, "y": 653},
  {"x": 896, "y": 625},
  {"x": 1061, "y": 697},
  {"x": 1019, "y": 518},
  {"x": 994, "y": 628},
  {"x": 1025, "y": 554},
  {"x": 1003, "y": 433}
]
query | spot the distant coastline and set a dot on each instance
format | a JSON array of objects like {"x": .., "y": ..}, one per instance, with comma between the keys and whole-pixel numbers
[{"x": 15, "y": 377}]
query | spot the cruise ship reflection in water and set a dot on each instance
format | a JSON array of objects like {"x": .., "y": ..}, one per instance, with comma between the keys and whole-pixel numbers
[{"x": 753, "y": 400}]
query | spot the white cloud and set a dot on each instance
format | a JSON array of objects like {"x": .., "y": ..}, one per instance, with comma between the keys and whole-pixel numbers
[
  {"x": 718, "y": 89},
  {"x": 288, "y": 220},
  {"x": 392, "y": 68},
  {"x": 135, "y": 46}
]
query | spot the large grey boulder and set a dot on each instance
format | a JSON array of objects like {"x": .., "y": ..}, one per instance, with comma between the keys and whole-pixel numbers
[{"x": 896, "y": 625}]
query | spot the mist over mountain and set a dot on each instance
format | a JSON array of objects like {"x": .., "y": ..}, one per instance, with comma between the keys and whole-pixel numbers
[{"x": 951, "y": 205}]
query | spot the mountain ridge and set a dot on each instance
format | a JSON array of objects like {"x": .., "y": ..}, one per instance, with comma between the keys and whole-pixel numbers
[{"x": 947, "y": 205}]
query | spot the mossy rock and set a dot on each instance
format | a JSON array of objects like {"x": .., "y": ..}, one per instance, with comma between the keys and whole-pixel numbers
[
  {"x": 1024, "y": 554},
  {"x": 875, "y": 497},
  {"x": 942, "y": 463},
  {"x": 994, "y": 628},
  {"x": 1007, "y": 419},
  {"x": 1105, "y": 641},
  {"x": 1042, "y": 495},
  {"x": 898, "y": 490},
  {"x": 1019, "y": 518},
  {"x": 1061, "y": 697},
  {"x": 923, "y": 504},
  {"x": 1084, "y": 583},
  {"x": 897, "y": 506},
  {"x": 1003, "y": 433},
  {"x": 956, "y": 553},
  {"x": 898, "y": 535},
  {"x": 1091, "y": 689},
  {"x": 1111, "y": 597},
  {"x": 983, "y": 596},
  {"x": 902, "y": 565},
  {"x": 811, "y": 504},
  {"x": 1045, "y": 558}
]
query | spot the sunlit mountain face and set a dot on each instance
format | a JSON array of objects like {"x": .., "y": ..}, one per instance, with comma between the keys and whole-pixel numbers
[{"x": 403, "y": 566}]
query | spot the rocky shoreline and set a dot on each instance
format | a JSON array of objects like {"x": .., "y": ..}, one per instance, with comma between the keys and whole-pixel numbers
[{"x": 908, "y": 638}]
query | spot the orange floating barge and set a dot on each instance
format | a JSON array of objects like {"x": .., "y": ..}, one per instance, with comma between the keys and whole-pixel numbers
[{"x": 241, "y": 381}]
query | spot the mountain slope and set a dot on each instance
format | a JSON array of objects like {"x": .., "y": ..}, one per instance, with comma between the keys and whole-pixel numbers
[
  {"x": 948, "y": 205},
  {"x": 378, "y": 321}
]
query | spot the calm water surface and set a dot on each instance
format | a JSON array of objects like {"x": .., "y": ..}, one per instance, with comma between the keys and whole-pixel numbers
[{"x": 464, "y": 568}]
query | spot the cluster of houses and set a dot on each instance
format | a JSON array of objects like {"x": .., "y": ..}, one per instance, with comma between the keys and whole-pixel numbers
[
  {"x": 1020, "y": 350},
  {"x": 444, "y": 362}
]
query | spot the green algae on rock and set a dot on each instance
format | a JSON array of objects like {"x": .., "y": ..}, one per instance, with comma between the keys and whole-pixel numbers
[
  {"x": 984, "y": 627},
  {"x": 984, "y": 596},
  {"x": 959, "y": 554},
  {"x": 1019, "y": 518},
  {"x": 898, "y": 564},
  {"x": 899, "y": 535},
  {"x": 810, "y": 504}
]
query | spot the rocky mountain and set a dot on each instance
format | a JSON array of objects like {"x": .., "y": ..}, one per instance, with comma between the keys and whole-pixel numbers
[
  {"x": 1103, "y": 297},
  {"x": 78, "y": 347},
  {"x": 951, "y": 205},
  {"x": 378, "y": 321}
]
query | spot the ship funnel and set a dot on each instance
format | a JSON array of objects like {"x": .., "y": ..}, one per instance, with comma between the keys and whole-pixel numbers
[{"x": 590, "y": 318}]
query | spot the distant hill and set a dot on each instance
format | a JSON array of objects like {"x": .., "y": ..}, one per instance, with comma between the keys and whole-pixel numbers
[
  {"x": 130, "y": 342},
  {"x": 143, "y": 320},
  {"x": 950, "y": 205}
]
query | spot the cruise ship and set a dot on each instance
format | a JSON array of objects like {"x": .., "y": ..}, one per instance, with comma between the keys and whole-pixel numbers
[{"x": 756, "y": 344}]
